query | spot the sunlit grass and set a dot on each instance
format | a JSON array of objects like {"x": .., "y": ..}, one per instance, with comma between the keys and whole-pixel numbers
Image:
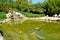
[{"x": 2, "y": 15}]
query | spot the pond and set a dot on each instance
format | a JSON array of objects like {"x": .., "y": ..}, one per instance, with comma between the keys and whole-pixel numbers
[{"x": 41, "y": 35}]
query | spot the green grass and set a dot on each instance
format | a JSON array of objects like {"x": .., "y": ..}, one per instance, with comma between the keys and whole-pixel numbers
[
  {"x": 33, "y": 15},
  {"x": 2, "y": 15},
  {"x": 28, "y": 14},
  {"x": 50, "y": 30}
]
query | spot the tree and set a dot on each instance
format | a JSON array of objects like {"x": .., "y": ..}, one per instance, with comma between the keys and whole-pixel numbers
[
  {"x": 6, "y": 5},
  {"x": 53, "y": 7}
]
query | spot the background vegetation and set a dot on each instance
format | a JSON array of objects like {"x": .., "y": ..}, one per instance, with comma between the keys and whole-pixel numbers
[{"x": 48, "y": 7}]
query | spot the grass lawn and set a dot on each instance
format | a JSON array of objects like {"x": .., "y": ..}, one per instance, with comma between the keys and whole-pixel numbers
[
  {"x": 2, "y": 15},
  {"x": 33, "y": 15},
  {"x": 50, "y": 31},
  {"x": 28, "y": 14}
]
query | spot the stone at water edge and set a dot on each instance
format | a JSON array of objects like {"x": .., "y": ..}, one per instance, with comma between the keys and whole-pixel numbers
[
  {"x": 8, "y": 15},
  {"x": 20, "y": 32},
  {"x": 1, "y": 37},
  {"x": 0, "y": 22},
  {"x": 36, "y": 28},
  {"x": 33, "y": 33},
  {"x": 15, "y": 17}
]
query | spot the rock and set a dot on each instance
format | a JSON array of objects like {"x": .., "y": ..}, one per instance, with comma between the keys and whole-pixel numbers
[
  {"x": 20, "y": 32},
  {"x": 40, "y": 37},
  {"x": 55, "y": 15},
  {"x": 0, "y": 22},
  {"x": 1, "y": 33},
  {"x": 36, "y": 28},
  {"x": 16, "y": 16},
  {"x": 33, "y": 33},
  {"x": 1, "y": 38},
  {"x": 8, "y": 15}
]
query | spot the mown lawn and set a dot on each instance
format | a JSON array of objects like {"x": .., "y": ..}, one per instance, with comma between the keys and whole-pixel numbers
[
  {"x": 32, "y": 14},
  {"x": 2, "y": 15},
  {"x": 50, "y": 31},
  {"x": 28, "y": 14}
]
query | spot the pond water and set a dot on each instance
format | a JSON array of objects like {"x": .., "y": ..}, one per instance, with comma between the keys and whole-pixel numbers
[{"x": 42, "y": 35}]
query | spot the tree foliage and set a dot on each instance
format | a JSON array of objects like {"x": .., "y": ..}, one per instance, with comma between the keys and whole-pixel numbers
[
  {"x": 53, "y": 7},
  {"x": 48, "y": 7}
]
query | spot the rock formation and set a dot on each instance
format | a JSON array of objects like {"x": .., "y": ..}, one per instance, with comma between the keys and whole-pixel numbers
[{"x": 15, "y": 16}]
